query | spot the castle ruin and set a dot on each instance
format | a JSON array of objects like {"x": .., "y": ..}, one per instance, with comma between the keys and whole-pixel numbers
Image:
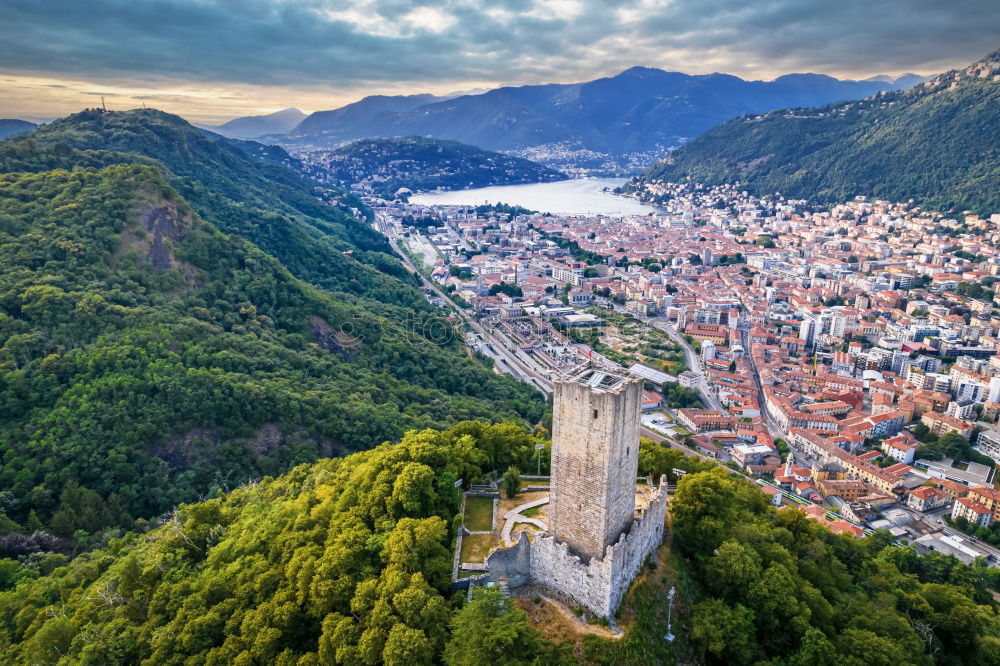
[{"x": 596, "y": 540}]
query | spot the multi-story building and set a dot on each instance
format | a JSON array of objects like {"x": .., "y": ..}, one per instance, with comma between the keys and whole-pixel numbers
[
  {"x": 843, "y": 363},
  {"x": 705, "y": 420},
  {"x": 941, "y": 424},
  {"x": 900, "y": 448},
  {"x": 926, "y": 498},
  {"x": 828, "y": 408},
  {"x": 988, "y": 442},
  {"x": 886, "y": 479},
  {"x": 808, "y": 330},
  {"x": 973, "y": 511},
  {"x": 985, "y": 497},
  {"x": 567, "y": 274},
  {"x": 714, "y": 332}
]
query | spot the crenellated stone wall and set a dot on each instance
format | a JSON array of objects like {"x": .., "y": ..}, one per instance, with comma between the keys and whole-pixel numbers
[{"x": 600, "y": 584}]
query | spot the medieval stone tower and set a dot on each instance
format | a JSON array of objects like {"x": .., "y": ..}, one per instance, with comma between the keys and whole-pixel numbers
[
  {"x": 595, "y": 541},
  {"x": 595, "y": 455}
]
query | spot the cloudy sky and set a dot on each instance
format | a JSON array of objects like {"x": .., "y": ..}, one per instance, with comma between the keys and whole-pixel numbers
[{"x": 214, "y": 59}]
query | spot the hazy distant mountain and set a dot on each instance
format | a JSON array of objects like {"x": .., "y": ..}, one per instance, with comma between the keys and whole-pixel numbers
[
  {"x": 909, "y": 80},
  {"x": 938, "y": 143},
  {"x": 639, "y": 110},
  {"x": 10, "y": 127},
  {"x": 900, "y": 82},
  {"x": 359, "y": 119},
  {"x": 249, "y": 127},
  {"x": 418, "y": 163}
]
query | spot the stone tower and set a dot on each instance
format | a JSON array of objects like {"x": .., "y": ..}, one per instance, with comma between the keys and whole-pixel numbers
[
  {"x": 595, "y": 455},
  {"x": 595, "y": 542}
]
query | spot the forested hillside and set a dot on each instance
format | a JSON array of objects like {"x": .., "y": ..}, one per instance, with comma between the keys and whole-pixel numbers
[
  {"x": 418, "y": 163},
  {"x": 937, "y": 143},
  {"x": 778, "y": 588},
  {"x": 347, "y": 561},
  {"x": 147, "y": 359},
  {"x": 243, "y": 187},
  {"x": 10, "y": 127}
]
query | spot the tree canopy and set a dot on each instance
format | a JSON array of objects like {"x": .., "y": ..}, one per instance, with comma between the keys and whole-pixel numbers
[
  {"x": 780, "y": 588},
  {"x": 147, "y": 359},
  {"x": 347, "y": 560}
]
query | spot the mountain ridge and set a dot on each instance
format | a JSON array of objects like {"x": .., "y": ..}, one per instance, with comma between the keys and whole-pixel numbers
[
  {"x": 250, "y": 127},
  {"x": 639, "y": 109},
  {"x": 243, "y": 187},
  {"x": 363, "y": 110},
  {"x": 13, "y": 126},
  {"x": 914, "y": 143}
]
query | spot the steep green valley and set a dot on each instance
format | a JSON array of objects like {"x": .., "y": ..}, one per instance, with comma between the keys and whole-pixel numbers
[{"x": 242, "y": 187}]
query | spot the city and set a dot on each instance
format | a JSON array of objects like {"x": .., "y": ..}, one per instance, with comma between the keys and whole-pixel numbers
[{"x": 845, "y": 357}]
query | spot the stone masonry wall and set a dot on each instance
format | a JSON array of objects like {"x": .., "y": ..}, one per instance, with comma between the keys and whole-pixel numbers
[
  {"x": 601, "y": 583},
  {"x": 511, "y": 565},
  {"x": 645, "y": 536}
]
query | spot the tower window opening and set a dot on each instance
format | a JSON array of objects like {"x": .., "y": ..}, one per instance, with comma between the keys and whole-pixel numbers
[{"x": 595, "y": 413}]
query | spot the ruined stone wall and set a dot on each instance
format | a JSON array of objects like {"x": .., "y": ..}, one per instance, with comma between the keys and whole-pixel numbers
[
  {"x": 555, "y": 568},
  {"x": 645, "y": 536},
  {"x": 595, "y": 455},
  {"x": 600, "y": 584},
  {"x": 511, "y": 565}
]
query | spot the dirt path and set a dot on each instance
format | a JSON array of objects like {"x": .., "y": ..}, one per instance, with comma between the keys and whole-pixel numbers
[{"x": 554, "y": 619}]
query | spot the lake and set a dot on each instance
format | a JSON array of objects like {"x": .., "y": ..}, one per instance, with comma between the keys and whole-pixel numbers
[{"x": 568, "y": 197}]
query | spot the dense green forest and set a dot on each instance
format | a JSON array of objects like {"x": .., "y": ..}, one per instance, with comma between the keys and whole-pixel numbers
[
  {"x": 778, "y": 588},
  {"x": 420, "y": 163},
  {"x": 147, "y": 359},
  {"x": 243, "y": 188},
  {"x": 347, "y": 561},
  {"x": 937, "y": 143}
]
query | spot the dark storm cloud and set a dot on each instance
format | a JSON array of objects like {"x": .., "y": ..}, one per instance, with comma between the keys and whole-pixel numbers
[
  {"x": 352, "y": 43},
  {"x": 891, "y": 34}
]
